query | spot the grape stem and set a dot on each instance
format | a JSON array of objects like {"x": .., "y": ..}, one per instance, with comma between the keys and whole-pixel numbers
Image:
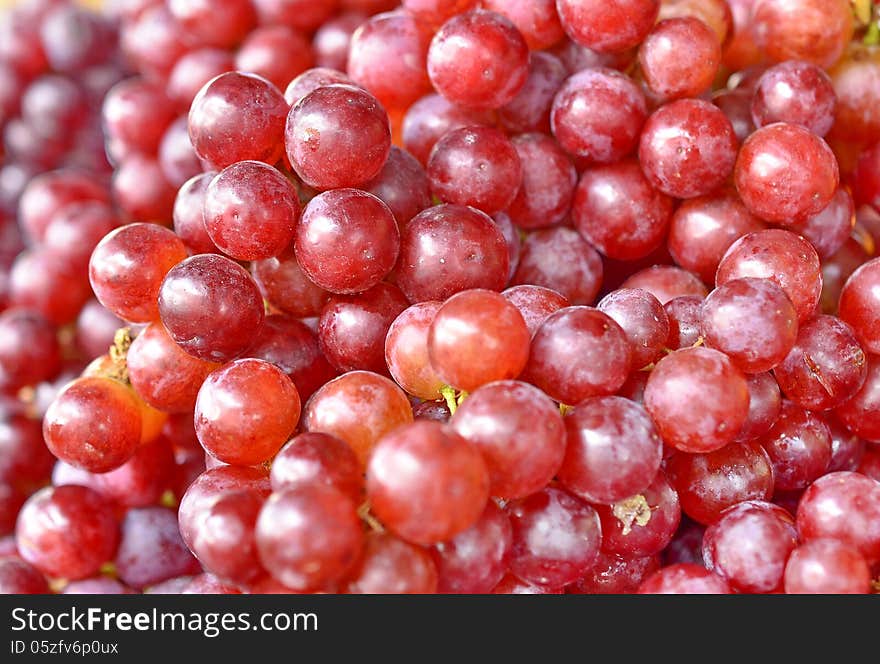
[
  {"x": 453, "y": 397},
  {"x": 364, "y": 513},
  {"x": 118, "y": 353}
]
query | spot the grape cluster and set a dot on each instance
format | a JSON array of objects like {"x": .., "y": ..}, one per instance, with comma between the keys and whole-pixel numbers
[{"x": 509, "y": 296}]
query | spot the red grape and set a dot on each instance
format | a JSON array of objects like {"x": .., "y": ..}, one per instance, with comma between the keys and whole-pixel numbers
[
  {"x": 245, "y": 411},
  {"x": 749, "y": 545},
  {"x": 698, "y": 399},
  {"x": 309, "y": 536},
  {"x": 211, "y": 307},
  {"x": 478, "y": 59},
  {"x": 680, "y": 58},
  {"x": 784, "y": 173},
  {"x": 359, "y": 407},
  {"x": 612, "y": 450},
  {"x": 688, "y": 149},
  {"x": 556, "y": 538},
  {"x": 477, "y": 337},
  {"x": 519, "y": 432},
  {"x": 250, "y": 211},
  {"x": 426, "y": 483},
  {"x": 127, "y": 268},
  {"x": 578, "y": 352},
  {"x": 337, "y": 136},
  {"x": 67, "y": 531},
  {"x": 236, "y": 117}
]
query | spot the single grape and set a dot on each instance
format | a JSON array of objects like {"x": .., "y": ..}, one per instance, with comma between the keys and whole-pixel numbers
[
  {"x": 765, "y": 402},
  {"x": 94, "y": 424},
  {"x": 337, "y": 136},
  {"x": 688, "y": 148},
  {"x": 478, "y": 59},
  {"x": 387, "y": 56},
  {"x": 476, "y": 166},
  {"x": 475, "y": 560},
  {"x": 519, "y": 432},
  {"x": 698, "y": 399},
  {"x": 749, "y": 545},
  {"x": 450, "y": 248},
  {"x": 578, "y": 352},
  {"x": 211, "y": 307},
  {"x": 359, "y": 407},
  {"x": 797, "y": 92},
  {"x": 618, "y": 211},
  {"x": 251, "y": 211},
  {"x": 752, "y": 321},
  {"x": 666, "y": 282},
  {"x": 237, "y": 117},
  {"x": 707, "y": 484},
  {"x": 785, "y": 173},
  {"x": 127, "y": 268},
  {"x": 685, "y": 315},
  {"x": 826, "y": 365},
  {"x": 844, "y": 506},
  {"x": 426, "y": 483},
  {"x": 612, "y": 450},
  {"x": 556, "y": 538},
  {"x": 680, "y": 58},
  {"x": 597, "y": 115},
  {"x": 245, "y": 411},
  {"x": 311, "y": 79},
  {"x": 477, "y": 337},
  {"x": 816, "y": 31},
  {"x": 225, "y": 544},
  {"x": 20, "y": 578},
  {"x": 826, "y": 567},
  {"x": 67, "y": 531},
  {"x": 309, "y": 536}
]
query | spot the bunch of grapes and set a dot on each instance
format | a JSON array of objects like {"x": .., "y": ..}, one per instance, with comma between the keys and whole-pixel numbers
[{"x": 508, "y": 296}]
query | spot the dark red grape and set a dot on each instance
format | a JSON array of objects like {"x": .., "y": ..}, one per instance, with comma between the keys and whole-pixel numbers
[{"x": 211, "y": 307}]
